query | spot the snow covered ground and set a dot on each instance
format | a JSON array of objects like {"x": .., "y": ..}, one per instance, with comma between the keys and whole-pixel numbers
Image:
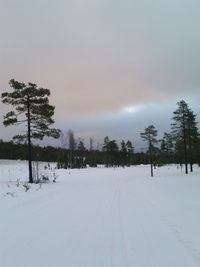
[{"x": 100, "y": 218}]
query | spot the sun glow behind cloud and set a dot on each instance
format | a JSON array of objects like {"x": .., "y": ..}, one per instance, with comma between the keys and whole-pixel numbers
[{"x": 132, "y": 109}]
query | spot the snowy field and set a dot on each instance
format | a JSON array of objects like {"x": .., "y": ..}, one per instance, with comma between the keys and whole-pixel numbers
[{"x": 100, "y": 218}]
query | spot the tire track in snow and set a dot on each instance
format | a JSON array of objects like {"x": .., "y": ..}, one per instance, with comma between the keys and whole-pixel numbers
[
  {"x": 120, "y": 249},
  {"x": 139, "y": 230},
  {"x": 119, "y": 255}
]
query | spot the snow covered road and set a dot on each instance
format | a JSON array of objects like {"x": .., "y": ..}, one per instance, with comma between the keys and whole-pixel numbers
[{"x": 104, "y": 218}]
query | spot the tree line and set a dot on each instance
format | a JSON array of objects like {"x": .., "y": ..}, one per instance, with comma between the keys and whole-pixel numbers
[
  {"x": 31, "y": 106},
  {"x": 78, "y": 158}
]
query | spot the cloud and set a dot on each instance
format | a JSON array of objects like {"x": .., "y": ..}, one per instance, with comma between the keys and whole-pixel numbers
[
  {"x": 103, "y": 55},
  {"x": 98, "y": 57}
]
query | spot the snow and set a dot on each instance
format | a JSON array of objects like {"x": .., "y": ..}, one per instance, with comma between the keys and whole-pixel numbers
[{"x": 100, "y": 218}]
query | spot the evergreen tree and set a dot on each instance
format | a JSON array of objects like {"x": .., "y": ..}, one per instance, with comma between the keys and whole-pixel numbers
[
  {"x": 72, "y": 146},
  {"x": 185, "y": 133},
  {"x": 80, "y": 145},
  {"x": 149, "y": 135},
  {"x": 123, "y": 153},
  {"x": 179, "y": 129},
  {"x": 192, "y": 132},
  {"x": 91, "y": 144},
  {"x": 112, "y": 146},
  {"x": 111, "y": 149},
  {"x": 31, "y": 106},
  {"x": 129, "y": 146},
  {"x": 106, "y": 142},
  {"x": 166, "y": 148},
  {"x": 130, "y": 151},
  {"x": 123, "y": 147}
]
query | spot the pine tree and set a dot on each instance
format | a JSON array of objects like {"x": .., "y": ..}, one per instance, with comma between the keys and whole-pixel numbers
[
  {"x": 123, "y": 147},
  {"x": 106, "y": 142},
  {"x": 111, "y": 149},
  {"x": 123, "y": 154},
  {"x": 80, "y": 145},
  {"x": 185, "y": 132},
  {"x": 31, "y": 106},
  {"x": 149, "y": 135},
  {"x": 166, "y": 147},
  {"x": 130, "y": 151},
  {"x": 192, "y": 132},
  {"x": 129, "y": 147},
  {"x": 72, "y": 147},
  {"x": 179, "y": 129}
]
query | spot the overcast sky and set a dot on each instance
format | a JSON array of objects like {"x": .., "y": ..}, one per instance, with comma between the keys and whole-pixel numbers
[{"x": 113, "y": 66}]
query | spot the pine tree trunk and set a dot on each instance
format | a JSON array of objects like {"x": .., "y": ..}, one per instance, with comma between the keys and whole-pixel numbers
[
  {"x": 151, "y": 159},
  {"x": 29, "y": 145},
  {"x": 191, "y": 167},
  {"x": 151, "y": 169},
  {"x": 185, "y": 151},
  {"x": 190, "y": 151}
]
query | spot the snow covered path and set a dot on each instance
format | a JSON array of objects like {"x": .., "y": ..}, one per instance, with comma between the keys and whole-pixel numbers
[{"x": 104, "y": 218}]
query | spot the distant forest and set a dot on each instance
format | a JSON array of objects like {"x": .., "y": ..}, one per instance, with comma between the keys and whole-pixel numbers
[
  {"x": 79, "y": 157},
  {"x": 74, "y": 154}
]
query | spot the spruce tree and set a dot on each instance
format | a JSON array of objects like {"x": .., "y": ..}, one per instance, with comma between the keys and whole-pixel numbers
[{"x": 31, "y": 106}]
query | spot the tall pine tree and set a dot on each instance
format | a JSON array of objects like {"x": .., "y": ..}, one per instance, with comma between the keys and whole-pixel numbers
[
  {"x": 185, "y": 132},
  {"x": 192, "y": 133},
  {"x": 149, "y": 135},
  {"x": 31, "y": 106}
]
